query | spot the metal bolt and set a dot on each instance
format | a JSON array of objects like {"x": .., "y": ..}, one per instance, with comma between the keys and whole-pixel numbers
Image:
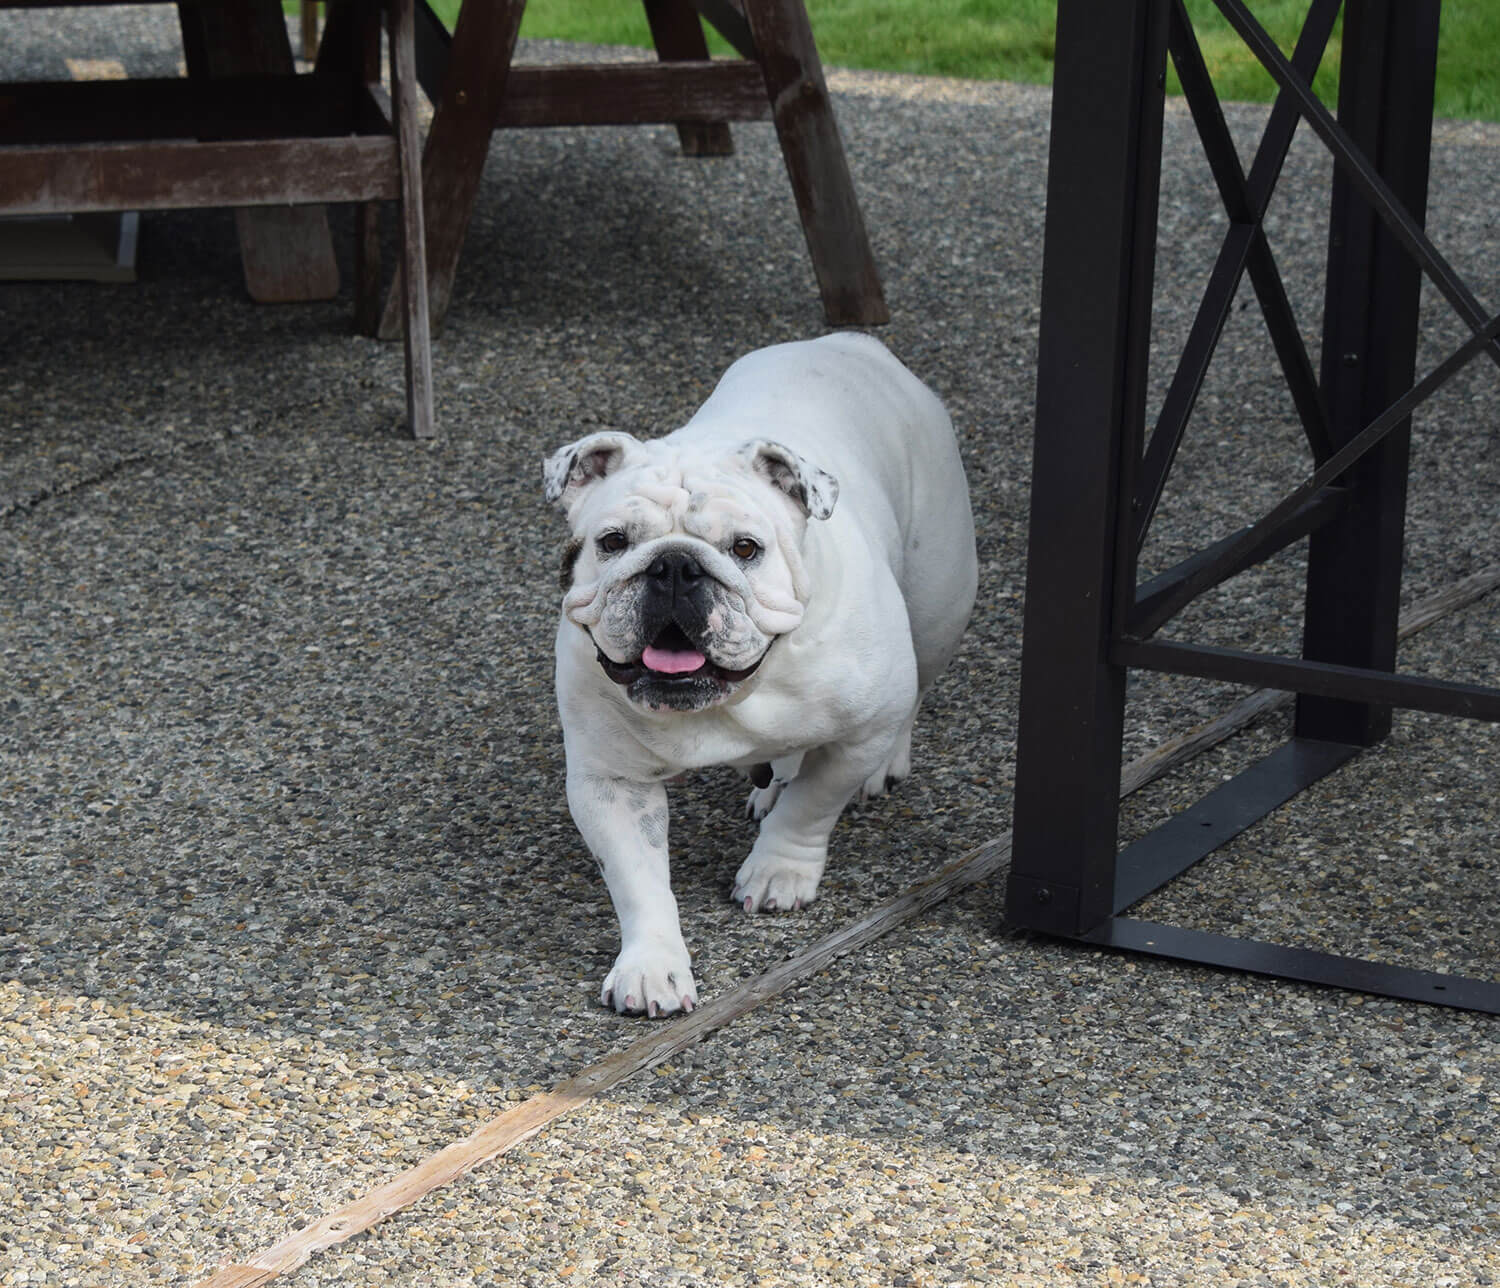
[
  {"x": 461, "y": 98},
  {"x": 1351, "y": 359},
  {"x": 1044, "y": 895}
]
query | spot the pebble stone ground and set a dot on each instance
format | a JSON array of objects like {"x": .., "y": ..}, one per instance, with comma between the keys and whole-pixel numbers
[{"x": 289, "y": 898}]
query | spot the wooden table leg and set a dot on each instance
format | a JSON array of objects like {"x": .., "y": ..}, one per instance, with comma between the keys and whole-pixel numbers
[
  {"x": 287, "y": 251},
  {"x": 484, "y": 40},
  {"x": 413, "y": 295},
  {"x": 814, "y": 155},
  {"x": 677, "y": 33},
  {"x": 349, "y": 53},
  {"x": 309, "y": 17}
]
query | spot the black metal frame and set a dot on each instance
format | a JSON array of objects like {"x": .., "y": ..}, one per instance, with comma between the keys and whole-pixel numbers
[{"x": 1097, "y": 477}]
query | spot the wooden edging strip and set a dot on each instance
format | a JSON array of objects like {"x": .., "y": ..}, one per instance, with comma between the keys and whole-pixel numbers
[
  {"x": 530, "y": 1116},
  {"x": 661, "y": 1044}
]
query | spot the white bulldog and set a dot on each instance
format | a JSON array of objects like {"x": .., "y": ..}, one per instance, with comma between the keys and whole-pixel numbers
[{"x": 774, "y": 586}]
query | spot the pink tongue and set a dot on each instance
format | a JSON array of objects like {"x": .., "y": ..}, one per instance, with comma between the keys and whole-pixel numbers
[{"x": 672, "y": 663}]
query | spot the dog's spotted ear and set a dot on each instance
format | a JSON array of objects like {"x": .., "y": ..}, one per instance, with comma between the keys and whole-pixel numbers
[
  {"x": 572, "y": 468},
  {"x": 814, "y": 490}
]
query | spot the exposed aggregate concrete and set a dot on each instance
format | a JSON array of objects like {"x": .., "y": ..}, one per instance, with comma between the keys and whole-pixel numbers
[{"x": 290, "y": 898}]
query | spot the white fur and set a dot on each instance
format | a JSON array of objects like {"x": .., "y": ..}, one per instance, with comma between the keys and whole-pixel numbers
[{"x": 862, "y": 610}]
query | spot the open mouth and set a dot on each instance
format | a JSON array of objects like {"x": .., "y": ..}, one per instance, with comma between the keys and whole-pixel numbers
[{"x": 671, "y": 656}]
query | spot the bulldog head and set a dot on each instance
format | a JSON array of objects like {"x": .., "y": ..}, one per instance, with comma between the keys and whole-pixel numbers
[{"x": 684, "y": 565}]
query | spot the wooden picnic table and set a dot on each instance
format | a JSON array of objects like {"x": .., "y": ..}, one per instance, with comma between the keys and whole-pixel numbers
[
  {"x": 244, "y": 130},
  {"x": 475, "y": 89}
]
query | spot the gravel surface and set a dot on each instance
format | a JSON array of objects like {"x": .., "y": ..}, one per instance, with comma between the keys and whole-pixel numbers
[{"x": 291, "y": 899}]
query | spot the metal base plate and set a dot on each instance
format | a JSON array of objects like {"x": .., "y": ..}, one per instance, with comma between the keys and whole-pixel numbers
[
  {"x": 1302, "y": 964},
  {"x": 1203, "y": 827}
]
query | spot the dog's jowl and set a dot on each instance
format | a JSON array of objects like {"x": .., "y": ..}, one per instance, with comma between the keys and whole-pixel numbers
[{"x": 773, "y": 586}]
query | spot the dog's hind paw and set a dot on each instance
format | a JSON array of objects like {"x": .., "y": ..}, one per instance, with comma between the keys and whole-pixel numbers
[
  {"x": 767, "y": 791},
  {"x": 763, "y": 800},
  {"x": 893, "y": 771}
]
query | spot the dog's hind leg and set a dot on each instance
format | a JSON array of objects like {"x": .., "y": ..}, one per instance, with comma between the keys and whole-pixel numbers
[
  {"x": 896, "y": 767},
  {"x": 763, "y": 799}
]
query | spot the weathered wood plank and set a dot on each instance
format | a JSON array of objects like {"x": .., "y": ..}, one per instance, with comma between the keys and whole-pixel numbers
[
  {"x": 166, "y": 176},
  {"x": 237, "y": 107},
  {"x": 678, "y": 36},
  {"x": 356, "y": 49},
  {"x": 728, "y": 18},
  {"x": 287, "y": 253},
  {"x": 414, "y": 302},
  {"x": 309, "y": 30},
  {"x": 814, "y": 153},
  {"x": 465, "y": 112},
  {"x": 635, "y": 94}
]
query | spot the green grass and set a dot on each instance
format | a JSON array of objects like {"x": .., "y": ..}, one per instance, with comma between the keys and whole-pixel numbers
[{"x": 1013, "y": 40}]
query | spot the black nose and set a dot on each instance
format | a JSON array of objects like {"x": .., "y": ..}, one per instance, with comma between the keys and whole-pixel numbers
[{"x": 677, "y": 569}]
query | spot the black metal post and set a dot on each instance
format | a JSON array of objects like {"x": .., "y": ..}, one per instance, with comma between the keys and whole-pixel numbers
[
  {"x": 1094, "y": 482},
  {"x": 1369, "y": 355},
  {"x": 1097, "y": 272}
]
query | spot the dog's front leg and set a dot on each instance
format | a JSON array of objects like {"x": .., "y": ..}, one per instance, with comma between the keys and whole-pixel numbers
[
  {"x": 624, "y": 824},
  {"x": 786, "y": 862}
]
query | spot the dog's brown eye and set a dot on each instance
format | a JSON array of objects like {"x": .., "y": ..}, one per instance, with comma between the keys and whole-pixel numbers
[
  {"x": 745, "y": 549},
  {"x": 611, "y": 543}
]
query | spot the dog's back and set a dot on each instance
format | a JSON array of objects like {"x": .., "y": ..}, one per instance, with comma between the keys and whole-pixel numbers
[{"x": 899, "y": 470}]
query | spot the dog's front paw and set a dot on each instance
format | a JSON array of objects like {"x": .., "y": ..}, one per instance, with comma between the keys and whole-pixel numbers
[
  {"x": 770, "y": 882},
  {"x": 652, "y": 978}
]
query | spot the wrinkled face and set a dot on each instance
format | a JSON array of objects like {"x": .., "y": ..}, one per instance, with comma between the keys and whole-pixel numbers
[{"x": 682, "y": 568}]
